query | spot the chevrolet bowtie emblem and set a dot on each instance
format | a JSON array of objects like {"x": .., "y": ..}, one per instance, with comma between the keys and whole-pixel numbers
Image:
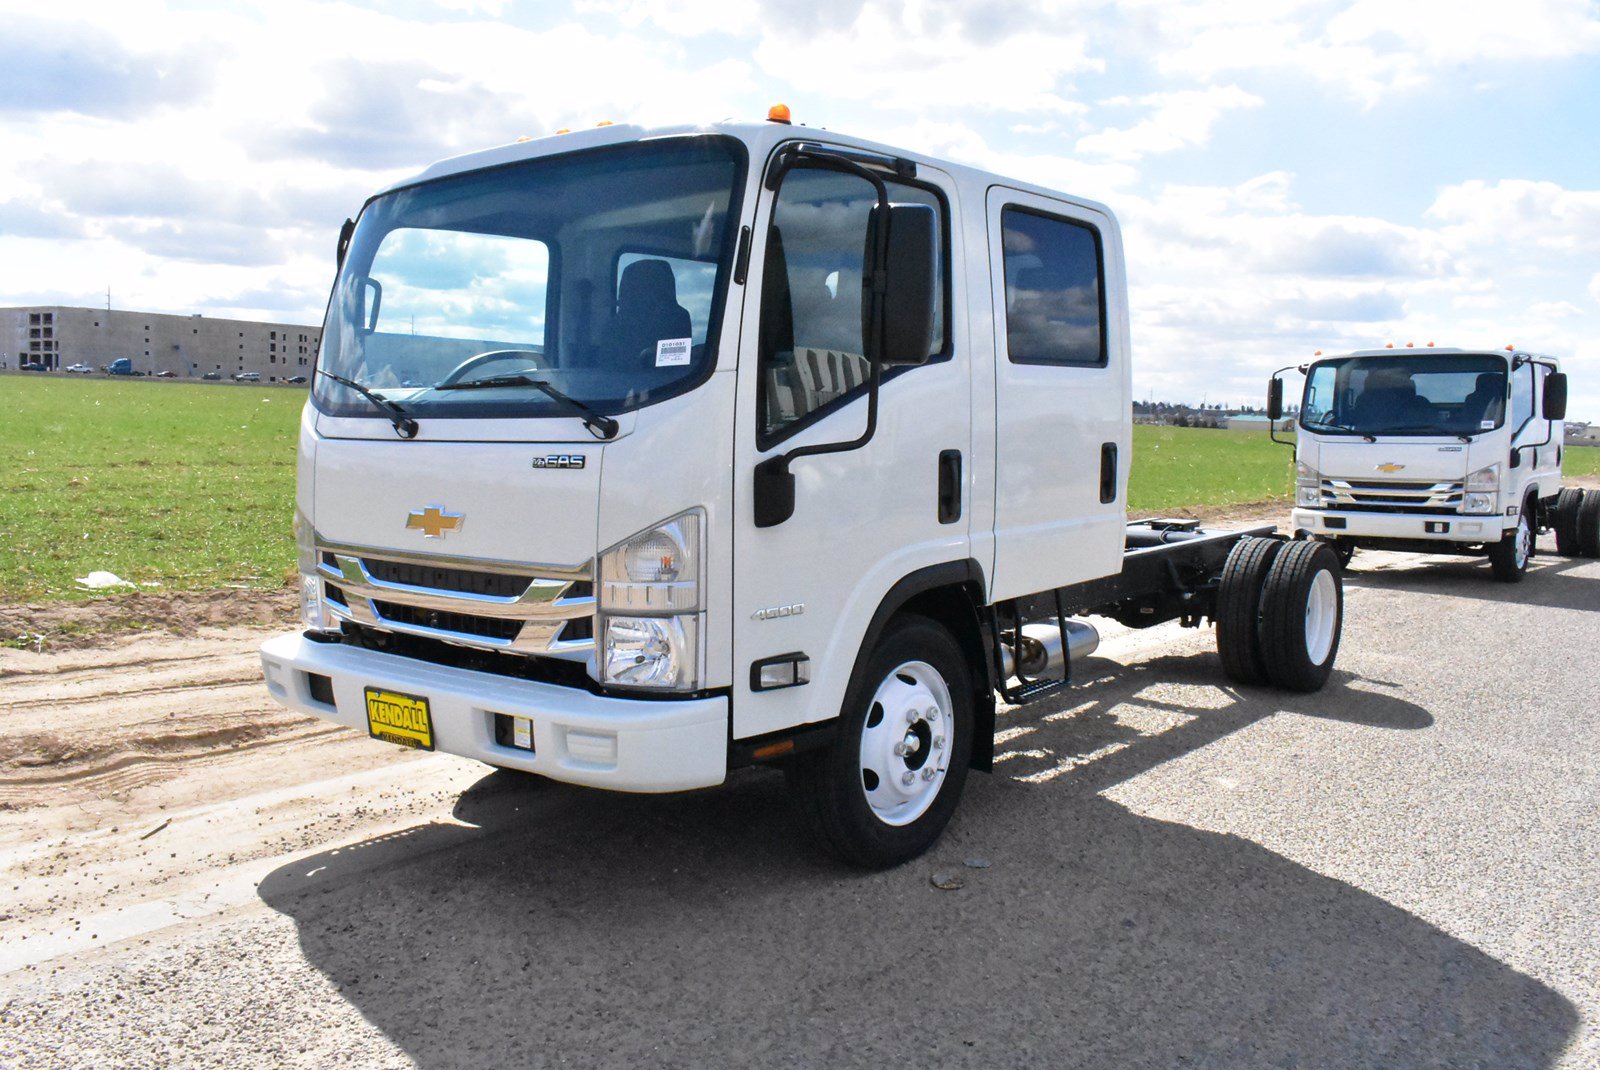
[
  {"x": 1390, "y": 467},
  {"x": 433, "y": 521}
]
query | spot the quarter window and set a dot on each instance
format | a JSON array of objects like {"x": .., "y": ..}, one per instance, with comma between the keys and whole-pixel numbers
[
  {"x": 812, "y": 354},
  {"x": 1055, "y": 293}
]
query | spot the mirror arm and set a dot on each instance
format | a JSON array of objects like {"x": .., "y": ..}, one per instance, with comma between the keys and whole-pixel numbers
[
  {"x": 1272, "y": 425},
  {"x": 774, "y": 482}
]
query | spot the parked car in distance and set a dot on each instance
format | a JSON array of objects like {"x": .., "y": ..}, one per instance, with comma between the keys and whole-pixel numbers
[
  {"x": 296, "y": 379},
  {"x": 212, "y": 375},
  {"x": 166, "y": 375},
  {"x": 32, "y": 366},
  {"x": 79, "y": 369},
  {"x": 247, "y": 377}
]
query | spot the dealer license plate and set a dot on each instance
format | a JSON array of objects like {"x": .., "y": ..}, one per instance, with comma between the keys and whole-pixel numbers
[{"x": 397, "y": 718}]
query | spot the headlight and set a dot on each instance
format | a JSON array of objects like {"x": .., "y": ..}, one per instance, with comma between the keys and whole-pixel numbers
[
  {"x": 311, "y": 612},
  {"x": 1478, "y": 503},
  {"x": 1485, "y": 479},
  {"x": 650, "y": 603},
  {"x": 1308, "y": 497}
]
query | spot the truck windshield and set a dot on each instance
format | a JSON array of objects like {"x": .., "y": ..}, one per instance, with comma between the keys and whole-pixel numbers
[
  {"x": 600, "y": 274},
  {"x": 1405, "y": 395}
]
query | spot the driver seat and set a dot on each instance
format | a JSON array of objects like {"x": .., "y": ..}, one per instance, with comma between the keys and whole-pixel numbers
[{"x": 647, "y": 312}]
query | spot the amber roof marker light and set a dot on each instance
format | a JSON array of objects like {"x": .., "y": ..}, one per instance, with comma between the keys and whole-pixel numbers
[{"x": 779, "y": 113}]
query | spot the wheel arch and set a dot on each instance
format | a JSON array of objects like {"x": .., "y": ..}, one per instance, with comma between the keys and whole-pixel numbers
[{"x": 950, "y": 594}]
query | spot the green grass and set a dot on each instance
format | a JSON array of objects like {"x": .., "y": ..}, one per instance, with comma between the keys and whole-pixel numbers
[
  {"x": 182, "y": 485},
  {"x": 192, "y": 487},
  {"x": 1183, "y": 467},
  {"x": 1581, "y": 461}
]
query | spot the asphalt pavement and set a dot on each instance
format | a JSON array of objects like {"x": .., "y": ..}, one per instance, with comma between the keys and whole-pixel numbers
[{"x": 1163, "y": 871}]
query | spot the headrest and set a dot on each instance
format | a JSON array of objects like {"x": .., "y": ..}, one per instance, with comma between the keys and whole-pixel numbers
[{"x": 645, "y": 283}]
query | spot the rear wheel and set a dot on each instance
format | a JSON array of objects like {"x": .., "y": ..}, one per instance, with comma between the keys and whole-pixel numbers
[
  {"x": 1589, "y": 524},
  {"x": 1509, "y": 557},
  {"x": 1565, "y": 521},
  {"x": 1238, "y": 613},
  {"x": 1302, "y": 615},
  {"x": 884, "y": 790}
]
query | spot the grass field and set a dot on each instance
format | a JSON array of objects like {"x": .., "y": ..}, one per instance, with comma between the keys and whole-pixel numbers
[
  {"x": 183, "y": 485},
  {"x": 187, "y": 486}
]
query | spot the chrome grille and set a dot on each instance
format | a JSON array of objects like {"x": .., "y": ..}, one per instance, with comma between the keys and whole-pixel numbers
[
  {"x": 491, "y": 605},
  {"x": 1391, "y": 495}
]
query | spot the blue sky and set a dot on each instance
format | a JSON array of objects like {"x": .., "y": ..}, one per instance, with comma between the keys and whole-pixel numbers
[{"x": 1291, "y": 175}]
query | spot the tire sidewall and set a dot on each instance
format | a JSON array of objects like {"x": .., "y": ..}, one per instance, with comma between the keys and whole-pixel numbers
[
  {"x": 1283, "y": 634},
  {"x": 867, "y": 840}
]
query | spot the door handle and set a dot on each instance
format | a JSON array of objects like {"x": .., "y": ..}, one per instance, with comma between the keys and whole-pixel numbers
[
  {"x": 949, "y": 486},
  {"x": 1108, "y": 473}
]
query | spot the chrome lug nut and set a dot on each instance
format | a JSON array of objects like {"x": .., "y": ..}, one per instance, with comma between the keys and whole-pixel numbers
[
  {"x": 899, "y": 750},
  {"x": 928, "y": 772},
  {"x": 911, "y": 716},
  {"x": 907, "y": 778},
  {"x": 938, "y": 743}
]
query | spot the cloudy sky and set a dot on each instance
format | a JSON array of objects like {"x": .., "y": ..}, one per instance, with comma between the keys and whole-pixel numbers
[{"x": 1291, "y": 175}]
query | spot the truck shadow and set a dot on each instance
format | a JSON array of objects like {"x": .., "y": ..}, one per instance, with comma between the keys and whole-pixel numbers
[
  {"x": 1553, "y": 582},
  {"x": 560, "y": 925}
]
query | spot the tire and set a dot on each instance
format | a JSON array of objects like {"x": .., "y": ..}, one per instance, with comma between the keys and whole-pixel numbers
[
  {"x": 1343, "y": 549},
  {"x": 1589, "y": 524},
  {"x": 1238, "y": 612},
  {"x": 1302, "y": 615},
  {"x": 853, "y": 795},
  {"x": 1564, "y": 520},
  {"x": 1510, "y": 556}
]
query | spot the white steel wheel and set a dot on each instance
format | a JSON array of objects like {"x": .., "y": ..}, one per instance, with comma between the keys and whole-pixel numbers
[
  {"x": 1302, "y": 614},
  {"x": 882, "y": 792},
  {"x": 1509, "y": 557},
  {"x": 1322, "y": 616},
  {"x": 905, "y": 743}
]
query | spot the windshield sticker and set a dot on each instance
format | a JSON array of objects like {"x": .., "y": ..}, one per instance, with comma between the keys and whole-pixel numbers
[
  {"x": 671, "y": 352},
  {"x": 1487, "y": 425}
]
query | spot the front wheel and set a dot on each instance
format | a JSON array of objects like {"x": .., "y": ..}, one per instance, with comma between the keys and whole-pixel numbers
[
  {"x": 1509, "y": 557},
  {"x": 884, "y": 790}
]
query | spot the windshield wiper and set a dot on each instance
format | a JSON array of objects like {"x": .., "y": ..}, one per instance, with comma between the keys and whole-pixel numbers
[
  {"x": 602, "y": 427},
  {"x": 404, "y": 425},
  {"x": 1339, "y": 427},
  {"x": 1428, "y": 428}
]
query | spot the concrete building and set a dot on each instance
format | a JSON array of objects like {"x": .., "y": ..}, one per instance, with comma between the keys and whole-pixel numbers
[{"x": 189, "y": 346}]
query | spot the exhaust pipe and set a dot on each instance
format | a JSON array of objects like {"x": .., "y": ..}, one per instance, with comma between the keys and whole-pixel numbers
[{"x": 1042, "y": 649}]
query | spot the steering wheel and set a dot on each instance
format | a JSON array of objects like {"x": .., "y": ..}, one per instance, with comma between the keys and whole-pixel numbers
[{"x": 459, "y": 372}]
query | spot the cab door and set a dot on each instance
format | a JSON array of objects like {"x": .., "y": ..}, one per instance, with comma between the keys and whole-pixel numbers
[
  {"x": 1062, "y": 393},
  {"x": 864, "y": 518}
]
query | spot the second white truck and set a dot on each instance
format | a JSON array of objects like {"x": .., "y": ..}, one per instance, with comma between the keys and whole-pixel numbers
[{"x": 1436, "y": 450}]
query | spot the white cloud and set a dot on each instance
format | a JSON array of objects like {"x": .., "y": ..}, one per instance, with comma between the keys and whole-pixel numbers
[
  {"x": 1177, "y": 120},
  {"x": 1517, "y": 213},
  {"x": 906, "y": 60}
]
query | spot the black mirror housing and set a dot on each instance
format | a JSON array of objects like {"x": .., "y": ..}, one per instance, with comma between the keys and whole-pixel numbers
[
  {"x": 1555, "y": 396},
  {"x": 909, "y": 288},
  {"x": 1274, "y": 399}
]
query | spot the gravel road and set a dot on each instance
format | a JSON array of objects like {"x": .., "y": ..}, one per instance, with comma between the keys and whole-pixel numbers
[{"x": 1163, "y": 871}]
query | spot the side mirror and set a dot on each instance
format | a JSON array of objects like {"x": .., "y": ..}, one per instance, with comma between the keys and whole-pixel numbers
[
  {"x": 1555, "y": 396},
  {"x": 909, "y": 289},
  {"x": 1274, "y": 399}
]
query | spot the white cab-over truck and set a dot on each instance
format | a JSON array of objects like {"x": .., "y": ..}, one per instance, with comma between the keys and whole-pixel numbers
[
  {"x": 635, "y": 456},
  {"x": 1434, "y": 450}
]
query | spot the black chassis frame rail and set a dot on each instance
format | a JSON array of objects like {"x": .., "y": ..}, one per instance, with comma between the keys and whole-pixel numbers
[{"x": 1170, "y": 571}]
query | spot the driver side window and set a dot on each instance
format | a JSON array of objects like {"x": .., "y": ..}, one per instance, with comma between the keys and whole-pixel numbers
[{"x": 812, "y": 356}]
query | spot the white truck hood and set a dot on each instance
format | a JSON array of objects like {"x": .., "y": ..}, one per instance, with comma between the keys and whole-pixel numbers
[
  {"x": 513, "y": 501},
  {"x": 1410, "y": 460}
]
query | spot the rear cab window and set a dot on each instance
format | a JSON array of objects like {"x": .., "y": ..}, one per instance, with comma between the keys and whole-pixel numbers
[{"x": 1055, "y": 290}]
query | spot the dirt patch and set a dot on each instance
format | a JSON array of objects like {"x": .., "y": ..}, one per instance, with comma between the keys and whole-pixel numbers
[{"x": 77, "y": 625}]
